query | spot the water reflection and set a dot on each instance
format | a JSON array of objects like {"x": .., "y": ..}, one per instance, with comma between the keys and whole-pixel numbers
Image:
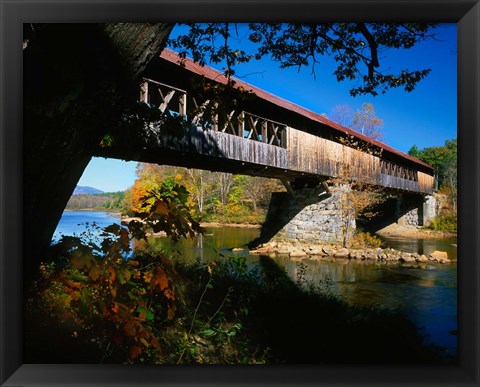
[
  {"x": 423, "y": 246},
  {"x": 207, "y": 247},
  {"x": 427, "y": 293}
]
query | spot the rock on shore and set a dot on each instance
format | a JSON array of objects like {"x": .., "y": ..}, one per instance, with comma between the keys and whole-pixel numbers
[{"x": 299, "y": 251}]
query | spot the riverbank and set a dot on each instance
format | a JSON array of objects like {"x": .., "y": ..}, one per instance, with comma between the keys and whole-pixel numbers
[
  {"x": 114, "y": 213},
  {"x": 394, "y": 230},
  {"x": 397, "y": 231},
  {"x": 237, "y": 225},
  {"x": 245, "y": 317},
  {"x": 126, "y": 220}
]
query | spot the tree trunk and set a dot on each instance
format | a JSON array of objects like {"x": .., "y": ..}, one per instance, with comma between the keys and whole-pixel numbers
[{"x": 77, "y": 79}]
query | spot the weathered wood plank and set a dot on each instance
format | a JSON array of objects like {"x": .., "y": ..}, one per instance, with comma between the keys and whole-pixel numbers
[
  {"x": 317, "y": 155},
  {"x": 224, "y": 145}
]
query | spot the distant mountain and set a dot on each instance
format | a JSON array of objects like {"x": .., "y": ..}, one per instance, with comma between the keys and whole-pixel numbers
[{"x": 79, "y": 190}]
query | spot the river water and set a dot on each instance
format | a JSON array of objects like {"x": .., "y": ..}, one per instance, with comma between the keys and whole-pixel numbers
[{"x": 426, "y": 293}]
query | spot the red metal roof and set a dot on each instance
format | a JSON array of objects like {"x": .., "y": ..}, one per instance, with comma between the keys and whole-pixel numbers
[{"x": 218, "y": 76}]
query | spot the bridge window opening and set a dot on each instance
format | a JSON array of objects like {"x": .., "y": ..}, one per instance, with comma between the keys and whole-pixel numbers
[
  {"x": 395, "y": 170},
  {"x": 166, "y": 98},
  {"x": 264, "y": 130},
  {"x": 173, "y": 101}
]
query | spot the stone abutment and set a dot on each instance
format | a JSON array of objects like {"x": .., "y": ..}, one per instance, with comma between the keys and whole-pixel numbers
[
  {"x": 315, "y": 215},
  {"x": 311, "y": 215}
]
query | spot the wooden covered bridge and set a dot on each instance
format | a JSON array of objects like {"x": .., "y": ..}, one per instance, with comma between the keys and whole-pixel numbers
[
  {"x": 199, "y": 119},
  {"x": 247, "y": 130}
]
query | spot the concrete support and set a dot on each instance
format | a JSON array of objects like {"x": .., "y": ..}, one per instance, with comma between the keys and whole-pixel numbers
[
  {"x": 398, "y": 210},
  {"x": 429, "y": 209},
  {"x": 311, "y": 215}
]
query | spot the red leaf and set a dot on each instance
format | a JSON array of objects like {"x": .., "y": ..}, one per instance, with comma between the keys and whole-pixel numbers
[
  {"x": 171, "y": 312},
  {"x": 159, "y": 280},
  {"x": 113, "y": 274},
  {"x": 135, "y": 351}
]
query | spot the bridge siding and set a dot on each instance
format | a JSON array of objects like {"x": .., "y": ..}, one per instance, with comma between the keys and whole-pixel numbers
[
  {"x": 425, "y": 182},
  {"x": 225, "y": 146},
  {"x": 254, "y": 152},
  {"x": 312, "y": 154},
  {"x": 318, "y": 155},
  {"x": 305, "y": 154}
]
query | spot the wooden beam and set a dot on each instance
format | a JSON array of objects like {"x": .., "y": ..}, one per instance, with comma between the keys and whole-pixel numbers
[
  {"x": 274, "y": 134},
  {"x": 241, "y": 124},
  {"x": 202, "y": 108},
  {"x": 182, "y": 104},
  {"x": 144, "y": 92},
  {"x": 228, "y": 122},
  {"x": 265, "y": 132},
  {"x": 166, "y": 100},
  {"x": 165, "y": 85},
  {"x": 287, "y": 186}
]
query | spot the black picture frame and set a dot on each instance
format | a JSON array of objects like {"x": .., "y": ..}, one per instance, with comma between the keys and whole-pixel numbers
[{"x": 13, "y": 372}]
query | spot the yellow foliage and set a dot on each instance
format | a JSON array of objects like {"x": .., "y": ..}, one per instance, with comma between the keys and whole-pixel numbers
[{"x": 147, "y": 277}]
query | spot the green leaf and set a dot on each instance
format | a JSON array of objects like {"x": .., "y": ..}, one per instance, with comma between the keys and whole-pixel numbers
[
  {"x": 121, "y": 278},
  {"x": 208, "y": 332}
]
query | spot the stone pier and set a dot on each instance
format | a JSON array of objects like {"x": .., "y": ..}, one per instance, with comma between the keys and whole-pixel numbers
[
  {"x": 316, "y": 215},
  {"x": 309, "y": 215},
  {"x": 415, "y": 210}
]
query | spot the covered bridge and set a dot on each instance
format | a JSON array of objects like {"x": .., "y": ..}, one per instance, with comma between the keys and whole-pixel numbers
[{"x": 206, "y": 121}]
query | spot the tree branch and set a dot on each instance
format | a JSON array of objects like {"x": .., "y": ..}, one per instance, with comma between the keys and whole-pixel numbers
[{"x": 373, "y": 48}]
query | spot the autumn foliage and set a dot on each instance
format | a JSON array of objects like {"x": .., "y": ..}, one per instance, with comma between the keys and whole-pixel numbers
[
  {"x": 100, "y": 291},
  {"x": 106, "y": 296}
]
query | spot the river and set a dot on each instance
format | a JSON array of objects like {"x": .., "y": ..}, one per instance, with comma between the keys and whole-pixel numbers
[{"x": 427, "y": 293}]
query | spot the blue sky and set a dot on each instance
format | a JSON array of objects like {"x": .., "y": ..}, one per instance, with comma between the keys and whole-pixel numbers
[{"x": 427, "y": 116}]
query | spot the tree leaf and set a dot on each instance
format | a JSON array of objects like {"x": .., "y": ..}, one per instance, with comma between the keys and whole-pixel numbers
[
  {"x": 135, "y": 351},
  {"x": 159, "y": 281},
  {"x": 113, "y": 274},
  {"x": 144, "y": 342},
  {"x": 94, "y": 272},
  {"x": 171, "y": 312},
  {"x": 208, "y": 332},
  {"x": 150, "y": 316},
  {"x": 127, "y": 275}
]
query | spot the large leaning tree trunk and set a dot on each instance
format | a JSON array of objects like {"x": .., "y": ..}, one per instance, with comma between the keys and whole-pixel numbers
[{"x": 77, "y": 80}]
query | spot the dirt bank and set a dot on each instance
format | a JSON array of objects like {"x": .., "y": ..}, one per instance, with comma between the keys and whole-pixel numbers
[
  {"x": 238, "y": 225},
  {"x": 398, "y": 231}
]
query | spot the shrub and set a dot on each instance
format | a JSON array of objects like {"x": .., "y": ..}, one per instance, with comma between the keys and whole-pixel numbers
[
  {"x": 365, "y": 240},
  {"x": 445, "y": 223}
]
